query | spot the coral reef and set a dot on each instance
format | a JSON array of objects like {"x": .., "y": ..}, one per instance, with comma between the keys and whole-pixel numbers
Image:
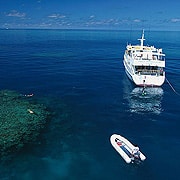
[{"x": 20, "y": 121}]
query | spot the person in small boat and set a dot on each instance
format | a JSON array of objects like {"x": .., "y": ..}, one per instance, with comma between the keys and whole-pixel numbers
[{"x": 135, "y": 152}]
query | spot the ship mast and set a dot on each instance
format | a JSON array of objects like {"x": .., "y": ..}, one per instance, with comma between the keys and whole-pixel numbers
[{"x": 142, "y": 38}]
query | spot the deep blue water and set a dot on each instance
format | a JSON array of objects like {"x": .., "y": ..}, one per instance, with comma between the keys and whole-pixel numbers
[{"x": 83, "y": 72}]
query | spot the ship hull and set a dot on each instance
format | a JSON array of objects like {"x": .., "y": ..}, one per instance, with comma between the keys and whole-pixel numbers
[
  {"x": 144, "y": 80},
  {"x": 144, "y": 65}
]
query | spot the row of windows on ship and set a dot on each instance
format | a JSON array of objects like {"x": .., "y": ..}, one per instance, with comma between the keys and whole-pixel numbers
[{"x": 149, "y": 70}]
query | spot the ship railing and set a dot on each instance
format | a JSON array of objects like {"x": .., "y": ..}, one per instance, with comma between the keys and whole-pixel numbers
[{"x": 149, "y": 58}]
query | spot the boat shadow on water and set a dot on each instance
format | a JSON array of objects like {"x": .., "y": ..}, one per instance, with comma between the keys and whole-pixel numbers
[{"x": 142, "y": 100}]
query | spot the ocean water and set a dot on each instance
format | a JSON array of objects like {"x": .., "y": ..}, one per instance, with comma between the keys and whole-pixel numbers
[{"x": 80, "y": 76}]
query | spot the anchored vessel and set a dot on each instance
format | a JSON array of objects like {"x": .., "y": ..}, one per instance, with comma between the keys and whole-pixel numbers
[
  {"x": 126, "y": 149},
  {"x": 144, "y": 65}
]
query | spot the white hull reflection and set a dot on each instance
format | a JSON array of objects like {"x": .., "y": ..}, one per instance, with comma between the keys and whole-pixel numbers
[{"x": 143, "y": 100}]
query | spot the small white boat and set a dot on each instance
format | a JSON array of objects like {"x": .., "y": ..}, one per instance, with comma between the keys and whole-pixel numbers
[
  {"x": 126, "y": 149},
  {"x": 144, "y": 65}
]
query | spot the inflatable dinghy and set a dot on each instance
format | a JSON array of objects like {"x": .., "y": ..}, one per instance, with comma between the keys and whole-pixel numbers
[{"x": 126, "y": 149}]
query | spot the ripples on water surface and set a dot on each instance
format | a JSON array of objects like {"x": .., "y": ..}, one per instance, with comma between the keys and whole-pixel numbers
[{"x": 79, "y": 75}]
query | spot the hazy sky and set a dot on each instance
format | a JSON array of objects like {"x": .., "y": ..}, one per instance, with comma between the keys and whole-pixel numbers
[{"x": 91, "y": 14}]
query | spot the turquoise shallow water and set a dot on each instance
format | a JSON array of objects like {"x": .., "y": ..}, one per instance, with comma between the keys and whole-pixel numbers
[{"x": 80, "y": 76}]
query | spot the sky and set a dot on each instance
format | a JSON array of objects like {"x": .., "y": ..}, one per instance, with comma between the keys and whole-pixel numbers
[{"x": 91, "y": 14}]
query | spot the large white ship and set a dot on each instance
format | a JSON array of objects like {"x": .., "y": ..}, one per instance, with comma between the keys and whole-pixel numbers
[{"x": 144, "y": 65}]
